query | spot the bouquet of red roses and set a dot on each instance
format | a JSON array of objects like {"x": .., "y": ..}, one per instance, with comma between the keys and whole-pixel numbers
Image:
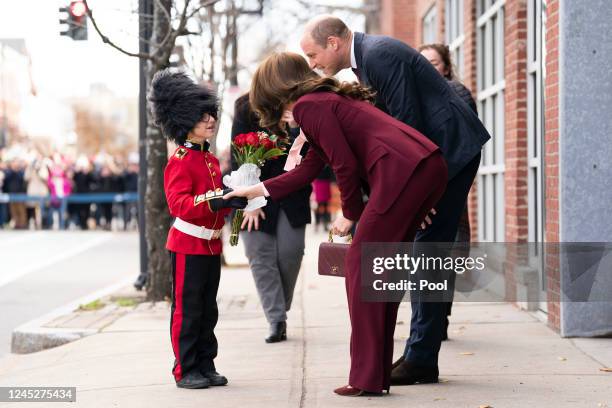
[{"x": 250, "y": 150}]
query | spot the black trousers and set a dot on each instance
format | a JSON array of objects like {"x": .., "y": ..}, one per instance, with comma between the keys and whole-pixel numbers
[
  {"x": 428, "y": 319},
  {"x": 195, "y": 281}
]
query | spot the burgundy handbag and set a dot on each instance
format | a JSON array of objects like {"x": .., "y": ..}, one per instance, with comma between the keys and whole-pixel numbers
[{"x": 332, "y": 256}]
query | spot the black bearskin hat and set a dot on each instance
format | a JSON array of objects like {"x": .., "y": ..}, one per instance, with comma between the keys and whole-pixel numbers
[{"x": 178, "y": 103}]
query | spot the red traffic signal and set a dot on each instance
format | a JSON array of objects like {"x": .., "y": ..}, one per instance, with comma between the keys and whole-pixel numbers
[
  {"x": 75, "y": 21},
  {"x": 78, "y": 9}
]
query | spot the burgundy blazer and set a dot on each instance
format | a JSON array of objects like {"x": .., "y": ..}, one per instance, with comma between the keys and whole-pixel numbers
[{"x": 352, "y": 137}]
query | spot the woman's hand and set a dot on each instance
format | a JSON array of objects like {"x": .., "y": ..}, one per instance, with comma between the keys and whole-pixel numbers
[
  {"x": 427, "y": 220},
  {"x": 341, "y": 226},
  {"x": 251, "y": 218},
  {"x": 249, "y": 192},
  {"x": 289, "y": 120}
]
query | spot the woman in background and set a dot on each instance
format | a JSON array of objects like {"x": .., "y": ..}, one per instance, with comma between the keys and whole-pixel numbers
[
  {"x": 274, "y": 240},
  {"x": 322, "y": 193},
  {"x": 440, "y": 58}
]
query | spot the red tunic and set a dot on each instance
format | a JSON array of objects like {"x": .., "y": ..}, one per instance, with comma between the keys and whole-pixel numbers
[{"x": 189, "y": 174}]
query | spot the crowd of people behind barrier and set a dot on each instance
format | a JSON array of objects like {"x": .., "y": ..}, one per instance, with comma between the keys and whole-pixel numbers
[{"x": 50, "y": 180}]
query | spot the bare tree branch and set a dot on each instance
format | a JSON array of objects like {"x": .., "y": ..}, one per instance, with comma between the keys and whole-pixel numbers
[
  {"x": 329, "y": 8},
  {"x": 165, "y": 12},
  {"x": 202, "y": 5},
  {"x": 106, "y": 40},
  {"x": 169, "y": 32}
]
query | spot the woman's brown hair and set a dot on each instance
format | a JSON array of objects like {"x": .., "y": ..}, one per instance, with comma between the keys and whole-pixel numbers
[
  {"x": 283, "y": 78},
  {"x": 444, "y": 53}
]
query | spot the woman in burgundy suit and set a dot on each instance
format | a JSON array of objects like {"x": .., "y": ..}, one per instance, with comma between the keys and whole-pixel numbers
[{"x": 368, "y": 150}]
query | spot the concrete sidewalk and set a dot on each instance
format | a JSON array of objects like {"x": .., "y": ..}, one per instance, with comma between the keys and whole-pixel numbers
[{"x": 498, "y": 356}]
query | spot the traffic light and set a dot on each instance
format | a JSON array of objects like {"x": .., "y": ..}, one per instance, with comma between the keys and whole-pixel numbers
[{"x": 76, "y": 20}]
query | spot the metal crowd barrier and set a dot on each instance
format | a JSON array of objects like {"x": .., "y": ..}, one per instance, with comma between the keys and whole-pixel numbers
[{"x": 77, "y": 198}]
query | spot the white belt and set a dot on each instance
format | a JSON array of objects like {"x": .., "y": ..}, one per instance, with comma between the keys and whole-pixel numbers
[{"x": 196, "y": 230}]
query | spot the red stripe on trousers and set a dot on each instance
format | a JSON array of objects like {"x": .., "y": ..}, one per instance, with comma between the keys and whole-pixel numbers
[{"x": 177, "y": 317}]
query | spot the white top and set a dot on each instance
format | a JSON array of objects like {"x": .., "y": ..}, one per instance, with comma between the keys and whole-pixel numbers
[{"x": 353, "y": 59}]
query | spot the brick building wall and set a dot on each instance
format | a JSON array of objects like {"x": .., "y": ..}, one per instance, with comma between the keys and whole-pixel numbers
[
  {"x": 469, "y": 80},
  {"x": 403, "y": 20}
]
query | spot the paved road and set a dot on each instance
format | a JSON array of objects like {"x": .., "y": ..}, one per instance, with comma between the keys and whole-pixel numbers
[{"x": 41, "y": 271}]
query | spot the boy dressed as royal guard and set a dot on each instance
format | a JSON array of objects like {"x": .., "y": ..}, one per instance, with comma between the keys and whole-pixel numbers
[{"x": 187, "y": 114}]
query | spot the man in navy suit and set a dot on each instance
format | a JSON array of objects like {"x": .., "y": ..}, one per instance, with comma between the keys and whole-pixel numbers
[{"x": 410, "y": 89}]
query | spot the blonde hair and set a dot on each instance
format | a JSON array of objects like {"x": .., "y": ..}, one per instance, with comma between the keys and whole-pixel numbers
[{"x": 283, "y": 78}]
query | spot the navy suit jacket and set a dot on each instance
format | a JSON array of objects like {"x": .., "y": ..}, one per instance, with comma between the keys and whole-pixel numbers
[{"x": 411, "y": 90}]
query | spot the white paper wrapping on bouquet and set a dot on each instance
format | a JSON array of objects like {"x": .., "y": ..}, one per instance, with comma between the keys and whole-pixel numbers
[{"x": 246, "y": 175}]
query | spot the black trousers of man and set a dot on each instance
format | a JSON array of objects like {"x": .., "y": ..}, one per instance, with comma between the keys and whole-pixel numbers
[
  {"x": 427, "y": 323},
  {"x": 195, "y": 281}
]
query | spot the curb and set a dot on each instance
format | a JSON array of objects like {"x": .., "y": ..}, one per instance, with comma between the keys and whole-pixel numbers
[{"x": 32, "y": 336}]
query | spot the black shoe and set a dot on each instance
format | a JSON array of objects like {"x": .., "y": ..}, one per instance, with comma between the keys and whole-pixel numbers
[
  {"x": 397, "y": 362},
  {"x": 215, "y": 378},
  {"x": 193, "y": 380},
  {"x": 140, "y": 282},
  {"x": 408, "y": 373},
  {"x": 278, "y": 332},
  {"x": 445, "y": 332}
]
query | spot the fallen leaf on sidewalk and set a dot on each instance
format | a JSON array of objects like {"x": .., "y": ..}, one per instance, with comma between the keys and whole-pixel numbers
[
  {"x": 606, "y": 369},
  {"x": 443, "y": 380},
  {"x": 439, "y": 399},
  {"x": 562, "y": 358}
]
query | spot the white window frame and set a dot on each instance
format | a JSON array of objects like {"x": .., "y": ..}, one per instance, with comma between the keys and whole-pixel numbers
[
  {"x": 535, "y": 120},
  {"x": 430, "y": 26},
  {"x": 455, "y": 33},
  {"x": 535, "y": 136},
  {"x": 491, "y": 105}
]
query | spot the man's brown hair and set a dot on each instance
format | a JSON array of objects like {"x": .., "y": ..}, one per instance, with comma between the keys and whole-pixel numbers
[{"x": 328, "y": 27}]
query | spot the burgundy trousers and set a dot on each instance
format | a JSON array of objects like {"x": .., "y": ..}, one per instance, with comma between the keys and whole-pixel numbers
[{"x": 373, "y": 323}]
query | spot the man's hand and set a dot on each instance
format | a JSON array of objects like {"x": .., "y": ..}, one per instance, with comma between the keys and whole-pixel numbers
[
  {"x": 341, "y": 226},
  {"x": 428, "y": 221},
  {"x": 251, "y": 218}
]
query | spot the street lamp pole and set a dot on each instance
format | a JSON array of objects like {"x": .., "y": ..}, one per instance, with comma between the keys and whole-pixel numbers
[{"x": 145, "y": 20}]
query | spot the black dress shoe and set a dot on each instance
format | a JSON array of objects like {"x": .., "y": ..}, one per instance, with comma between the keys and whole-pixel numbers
[
  {"x": 445, "y": 332},
  {"x": 193, "y": 380},
  {"x": 397, "y": 362},
  {"x": 408, "y": 373},
  {"x": 278, "y": 332},
  {"x": 215, "y": 378},
  {"x": 140, "y": 282}
]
